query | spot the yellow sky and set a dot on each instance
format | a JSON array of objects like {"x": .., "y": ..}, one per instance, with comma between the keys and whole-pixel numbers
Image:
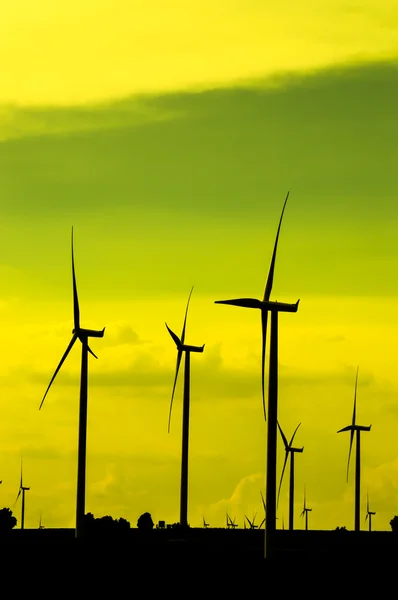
[{"x": 85, "y": 50}]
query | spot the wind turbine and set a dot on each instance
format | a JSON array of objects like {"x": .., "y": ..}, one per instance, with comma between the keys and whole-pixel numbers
[
  {"x": 40, "y": 525},
  {"x": 181, "y": 348},
  {"x": 369, "y": 514},
  {"x": 265, "y": 306},
  {"x": 22, "y": 490},
  {"x": 265, "y": 511},
  {"x": 305, "y": 512},
  {"x": 251, "y": 523},
  {"x": 289, "y": 449},
  {"x": 78, "y": 333},
  {"x": 356, "y": 428},
  {"x": 205, "y": 525},
  {"x": 231, "y": 523}
]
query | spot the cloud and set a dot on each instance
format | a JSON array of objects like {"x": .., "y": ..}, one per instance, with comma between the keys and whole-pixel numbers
[{"x": 122, "y": 334}]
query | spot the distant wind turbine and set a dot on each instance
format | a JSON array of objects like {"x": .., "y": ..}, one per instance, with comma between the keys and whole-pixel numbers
[
  {"x": 265, "y": 306},
  {"x": 251, "y": 522},
  {"x": 40, "y": 525},
  {"x": 181, "y": 348},
  {"x": 231, "y": 522},
  {"x": 356, "y": 428},
  {"x": 289, "y": 450},
  {"x": 265, "y": 511},
  {"x": 22, "y": 490},
  {"x": 369, "y": 514},
  {"x": 82, "y": 335},
  {"x": 305, "y": 512},
  {"x": 205, "y": 525}
]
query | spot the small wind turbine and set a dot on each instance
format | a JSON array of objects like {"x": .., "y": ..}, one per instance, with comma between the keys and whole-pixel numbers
[
  {"x": 265, "y": 511},
  {"x": 231, "y": 523},
  {"x": 22, "y": 490},
  {"x": 182, "y": 347},
  {"x": 289, "y": 450},
  {"x": 369, "y": 514},
  {"x": 251, "y": 523},
  {"x": 40, "y": 525},
  {"x": 265, "y": 306},
  {"x": 205, "y": 525},
  {"x": 305, "y": 512},
  {"x": 81, "y": 334},
  {"x": 356, "y": 428}
]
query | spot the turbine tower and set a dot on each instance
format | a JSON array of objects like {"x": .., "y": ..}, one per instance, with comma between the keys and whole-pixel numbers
[
  {"x": 181, "y": 348},
  {"x": 356, "y": 428},
  {"x": 265, "y": 306},
  {"x": 305, "y": 512},
  {"x": 369, "y": 514},
  {"x": 22, "y": 490},
  {"x": 289, "y": 450},
  {"x": 82, "y": 335}
]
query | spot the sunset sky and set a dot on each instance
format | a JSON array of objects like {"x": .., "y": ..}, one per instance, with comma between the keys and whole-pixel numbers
[{"x": 168, "y": 135}]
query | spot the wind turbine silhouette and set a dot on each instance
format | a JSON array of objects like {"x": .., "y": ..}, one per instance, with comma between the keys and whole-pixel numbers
[
  {"x": 78, "y": 333},
  {"x": 265, "y": 510},
  {"x": 305, "y": 512},
  {"x": 289, "y": 450},
  {"x": 251, "y": 523},
  {"x": 205, "y": 525},
  {"x": 22, "y": 490},
  {"x": 182, "y": 347},
  {"x": 231, "y": 523},
  {"x": 369, "y": 514},
  {"x": 356, "y": 428},
  {"x": 40, "y": 525},
  {"x": 265, "y": 306}
]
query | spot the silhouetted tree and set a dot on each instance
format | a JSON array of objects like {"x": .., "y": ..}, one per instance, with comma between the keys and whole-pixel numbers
[
  {"x": 145, "y": 522},
  {"x": 394, "y": 524},
  {"x": 7, "y": 520},
  {"x": 344, "y": 528},
  {"x": 106, "y": 525},
  {"x": 123, "y": 524}
]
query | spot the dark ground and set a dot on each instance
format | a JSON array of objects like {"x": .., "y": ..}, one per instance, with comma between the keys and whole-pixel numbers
[{"x": 230, "y": 561}]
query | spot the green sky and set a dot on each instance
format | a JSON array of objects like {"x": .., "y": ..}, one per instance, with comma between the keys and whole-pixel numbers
[{"x": 182, "y": 187}]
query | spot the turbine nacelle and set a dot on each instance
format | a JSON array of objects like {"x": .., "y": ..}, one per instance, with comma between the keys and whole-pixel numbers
[{"x": 86, "y": 333}]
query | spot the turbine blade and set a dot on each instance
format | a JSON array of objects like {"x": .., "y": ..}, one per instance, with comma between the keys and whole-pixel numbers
[
  {"x": 73, "y": 340},
  {"x": 295, "y": 431},
  {"x": 283, "y": 471},
  {"x": 270, "y": 280},
  {"x": 261, "y": 524},
  {"x": 175, "y": 337},
  {"x": 304, "y": 498},
  {"x": 19, "y": 493},
  {"x": 366, "y": 518},
  {"x": 179, "y": 356},
  {"x": 355, "y": 399},
  {"x": 76, "y": 312},
  {"x": 185, "y": 318},
  {"x": 20, "y": 484},
  {"x": 242, "y": 302},
  {"x": 349, "y": 452},
  {"x": 283, "y": 436},
  {"x": 367, "y": 501},
  {"x": 262, "y": 498},
  {"x": 264, "y": 320},
  {"x": 91, "y": 352}
]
